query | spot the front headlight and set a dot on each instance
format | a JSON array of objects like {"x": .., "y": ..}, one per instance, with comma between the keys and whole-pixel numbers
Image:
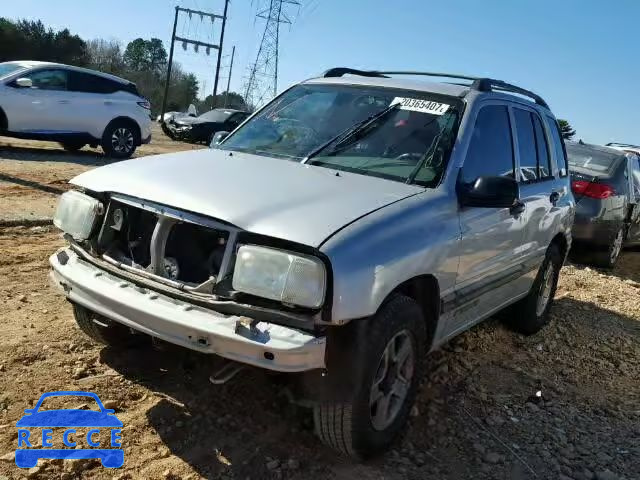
[
  {"x": 76, "y": 214},
  {"x": 280, "y": 275}
]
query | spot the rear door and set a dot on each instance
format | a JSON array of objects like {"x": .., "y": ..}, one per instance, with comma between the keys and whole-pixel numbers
[
  {"x": 42, "y": 108},
  {"x": 538, "y": 190},
  {"x": 94, "y": 101}
]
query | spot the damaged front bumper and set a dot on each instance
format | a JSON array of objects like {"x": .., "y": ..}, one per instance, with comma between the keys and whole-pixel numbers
[{"x": 238, "y": 338}]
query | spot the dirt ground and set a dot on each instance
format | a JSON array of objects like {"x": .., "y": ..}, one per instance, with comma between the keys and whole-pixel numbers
[
  {"x": 477, "y": 415},
  {"x": 33, "y": 174}
]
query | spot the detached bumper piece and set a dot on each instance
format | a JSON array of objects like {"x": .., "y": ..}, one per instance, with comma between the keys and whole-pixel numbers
[{"x": 262, "y": 344}]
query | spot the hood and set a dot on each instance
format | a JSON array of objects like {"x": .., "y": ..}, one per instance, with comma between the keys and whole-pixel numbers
[
  {"x": 186, "y": 120},
  {"x": 273, "y": 197}
]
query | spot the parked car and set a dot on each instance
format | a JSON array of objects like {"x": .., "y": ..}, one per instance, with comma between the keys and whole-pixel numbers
[
  {"x": 350, "y": 226},
  {"x": 606, "y": 185},
  {"x": 204, "y": 127},
  {"x": 73, "y": 106},
  {"x": 168, "y": 116}
]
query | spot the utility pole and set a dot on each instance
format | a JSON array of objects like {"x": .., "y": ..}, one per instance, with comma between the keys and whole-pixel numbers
[
  {"x": 166, "y": 85},
  {"x": 195, "y": 43},
  {"x": 226, "y": 97},
  {"x": 224, "y": 23}
]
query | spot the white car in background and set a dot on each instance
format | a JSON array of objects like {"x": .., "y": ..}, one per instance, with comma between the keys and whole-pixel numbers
[{"x": 73, "y": 106}]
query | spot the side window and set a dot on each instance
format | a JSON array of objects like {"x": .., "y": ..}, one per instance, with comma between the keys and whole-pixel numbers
[
  {"x": 558, "y": 146},
  {"x": 491, "y": 149},
  {"x": 544, "y": 160},
  {"x": 49, "y": 79},
  {"x": 87, "y": 83},
  {"x": 526, "y": 145}
]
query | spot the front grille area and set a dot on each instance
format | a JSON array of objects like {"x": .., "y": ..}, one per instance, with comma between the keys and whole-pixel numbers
[{"x": 166, "y": 244}]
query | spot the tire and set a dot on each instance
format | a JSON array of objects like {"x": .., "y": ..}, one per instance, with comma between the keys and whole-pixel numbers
[
  {"x": 609, "y": 257},
  {"x": 354, "y": 427},
  {"x": 72, "y": 146},
  {"x": 120, "y": 139},
  {"x": 529, "y": 315},
  {"x": 106, "y": 331}
]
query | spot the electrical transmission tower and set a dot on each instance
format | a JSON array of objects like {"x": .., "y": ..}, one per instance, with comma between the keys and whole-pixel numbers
[{"x": 262, "y": 83}]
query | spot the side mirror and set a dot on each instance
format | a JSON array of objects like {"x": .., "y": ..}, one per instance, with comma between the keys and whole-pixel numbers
[
  {"x": 489, "y": 192},
  {"x": 217, "y": 139},
  {"x": 24, "y": 82}
]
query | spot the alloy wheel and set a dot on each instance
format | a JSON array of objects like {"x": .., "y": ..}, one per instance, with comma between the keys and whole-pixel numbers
[
  {"x": 122, "y": 140},
  {"x": 545, "y": 289},
  {"x": 392, "y": 380}
]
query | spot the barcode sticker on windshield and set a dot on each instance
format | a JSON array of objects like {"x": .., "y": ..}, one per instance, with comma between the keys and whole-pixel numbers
[{"x": 418, "y": 105}]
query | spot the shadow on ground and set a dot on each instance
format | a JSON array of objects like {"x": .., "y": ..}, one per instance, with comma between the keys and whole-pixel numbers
[
  {"x": 237, "y": 427},
  {"x": 90, "y": 158}
]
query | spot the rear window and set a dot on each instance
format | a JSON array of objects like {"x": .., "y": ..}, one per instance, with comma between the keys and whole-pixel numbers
[
  {"x": 89, "y": 83},
  {"x": 590, "y": 158}
]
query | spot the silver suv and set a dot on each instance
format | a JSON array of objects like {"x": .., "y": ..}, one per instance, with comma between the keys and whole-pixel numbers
[{"x": 346, "y": 229}]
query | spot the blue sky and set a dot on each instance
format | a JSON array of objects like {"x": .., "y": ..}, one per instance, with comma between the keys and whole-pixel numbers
[{"x": 581, "y": 56}]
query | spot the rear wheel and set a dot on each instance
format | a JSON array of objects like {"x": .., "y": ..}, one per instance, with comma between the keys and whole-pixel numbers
[
  {"x": 609, "y": 257},
  {"x": 105, "y": 331},
  {"x": 72, "y": 146},
  {"x": 120, "y": 140},
  {"x": 531, "y": 313},
  {"x": 385, "y": 391}
]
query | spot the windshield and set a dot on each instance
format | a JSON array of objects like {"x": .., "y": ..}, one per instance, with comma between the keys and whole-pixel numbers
[
  {"x": 9, "y": 68},
  {"x": 216, "y": 115},
  {"x": 591, "y": 158},
  {"x": 352, "y": 128}
]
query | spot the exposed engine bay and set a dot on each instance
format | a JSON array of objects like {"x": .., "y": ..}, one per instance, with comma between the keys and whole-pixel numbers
[{"x": 161, "y": 245}]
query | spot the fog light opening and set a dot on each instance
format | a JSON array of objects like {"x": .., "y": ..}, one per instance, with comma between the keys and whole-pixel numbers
[{"x": 269, "y": 355}]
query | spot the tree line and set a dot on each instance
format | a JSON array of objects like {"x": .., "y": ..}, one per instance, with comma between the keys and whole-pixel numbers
[{"x": 142, "y": 61}]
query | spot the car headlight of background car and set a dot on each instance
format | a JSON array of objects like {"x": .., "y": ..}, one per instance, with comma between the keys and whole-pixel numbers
[
  {"x": 280, "y": 275},
  {"x": 76, "y": 214}
]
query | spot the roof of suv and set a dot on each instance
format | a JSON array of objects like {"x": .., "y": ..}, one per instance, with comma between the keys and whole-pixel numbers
[
  {"x": 456, "y": 88},
  {"x": 36, "y": 64}
]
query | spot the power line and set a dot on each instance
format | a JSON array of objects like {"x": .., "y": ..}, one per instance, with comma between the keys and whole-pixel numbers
[
  {"x": 189, "y": 40},
  {"x": 262, "y": 83}
]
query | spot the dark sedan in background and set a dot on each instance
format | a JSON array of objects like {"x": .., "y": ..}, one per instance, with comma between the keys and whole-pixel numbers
[
  {"x": 605, "y": 185},
  {"x": 204, "y": 127}
]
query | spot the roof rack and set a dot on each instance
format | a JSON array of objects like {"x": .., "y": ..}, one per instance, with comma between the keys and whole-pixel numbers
[
  {"x": 478, "y": 83},
  {"x": 618, "y": 144}
]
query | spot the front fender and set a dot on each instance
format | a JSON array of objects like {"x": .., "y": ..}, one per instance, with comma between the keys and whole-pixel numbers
[{"x": 371, "y": 257}]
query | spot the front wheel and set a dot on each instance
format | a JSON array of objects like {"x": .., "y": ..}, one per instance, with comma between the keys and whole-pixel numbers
[
  {"x": 385, "y": 390},
  {"x": 105, "y": 331},
  {"x": 120, "y": 140}
]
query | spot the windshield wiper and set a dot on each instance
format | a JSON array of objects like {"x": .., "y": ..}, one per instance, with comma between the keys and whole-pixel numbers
[{"x": 355, "y": 131}]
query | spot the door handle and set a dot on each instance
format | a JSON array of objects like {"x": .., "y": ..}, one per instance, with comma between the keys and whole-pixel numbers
[
  {"x": 517, "y": 208},
  {"x": 63, "y": 101},
  {"x": 554, "y": 197}
]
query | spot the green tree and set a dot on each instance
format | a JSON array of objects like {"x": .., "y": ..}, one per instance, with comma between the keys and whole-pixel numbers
[
  {"x": 566, "y": 129},
  {"x": 136, "y": 55}
]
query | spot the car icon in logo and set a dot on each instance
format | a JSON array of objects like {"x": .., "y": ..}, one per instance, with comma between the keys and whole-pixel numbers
[{"x": 68, "y": 419}]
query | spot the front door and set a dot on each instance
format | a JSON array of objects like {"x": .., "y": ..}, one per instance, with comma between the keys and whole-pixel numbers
[
  {"x": 491, "y": 238},
  {"x": 41, "y": 108}
]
